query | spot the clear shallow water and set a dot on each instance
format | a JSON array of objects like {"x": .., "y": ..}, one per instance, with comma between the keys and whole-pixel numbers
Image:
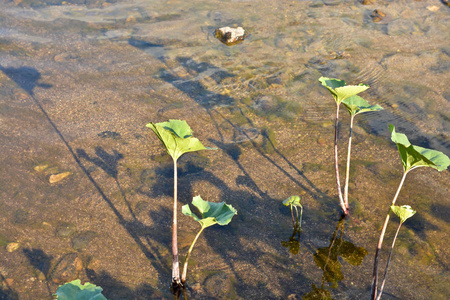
[{"x": 79, "y": 82}]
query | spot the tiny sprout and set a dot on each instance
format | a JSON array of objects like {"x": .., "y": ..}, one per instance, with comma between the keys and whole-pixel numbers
[{"x": 293, "y": 202}]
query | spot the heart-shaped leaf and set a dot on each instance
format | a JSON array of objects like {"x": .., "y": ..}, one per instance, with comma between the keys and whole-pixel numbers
[
  {"x": 176, "y": 135},
  {"x": 211, "y": 213},
  {"x": 356, "y": 105},
  {"x": 292, "y": 200},
  {"x": 415, "y": 156},
  {"x": 74, "y": 290},
  {"x": 340, "y": 90},
  {"x": 404, "y": 212}
]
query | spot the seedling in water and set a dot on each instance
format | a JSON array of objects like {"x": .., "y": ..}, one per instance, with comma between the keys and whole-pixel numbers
[
  {"x": 293, "y": 202},
  {"x": 176, "y": 135},
  {"x": 211, "y": 213},
  {"x": 340, "y": 91},
  {"x": 355, "y": 105},
  {"x": 412, "y": 157},
  {"x": 404, "y": 212}
]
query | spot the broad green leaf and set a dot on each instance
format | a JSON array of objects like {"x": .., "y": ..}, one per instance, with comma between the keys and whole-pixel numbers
[
  {"x": 415, "y": 156},
  {"x": 292, "y": 200},
  {"x": 211, "y": 213},
  {"x": 178, "y": 127},
  {"x": 404, "y": 212},
  {"x": 340, "y": 90},
  {"x": 356, "y": 105},
  {"x": 177, "y": 137},
  {"x": 74, "y": 290}
]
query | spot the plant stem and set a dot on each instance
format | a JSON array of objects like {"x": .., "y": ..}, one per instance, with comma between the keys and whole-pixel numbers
[
  {"x": 301, "y": 215},
  {"x": 183, "y": 277},
  {"x": 347, "y": 173},
  {"x": 380, "y": 242},
  {"x": 338, "y": 182},
  {"x": 175, "y": 263},
  {"x": 292, "y": 214},
  {"x": 296, "y": 215},
  {"x": 388, "y": 261}
]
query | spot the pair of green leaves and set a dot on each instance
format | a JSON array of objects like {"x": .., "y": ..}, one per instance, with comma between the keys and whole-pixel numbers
[
  {"x": 415, "y": 156},
  {"x": 176, "y": 135},
  {"x": 211, "y": 213},
  {"x": 340, "y": 90},
  {"x": 74, "y": 290},
  {"x": 292, "y": 200},
  {"x": 346, "y": 94}
]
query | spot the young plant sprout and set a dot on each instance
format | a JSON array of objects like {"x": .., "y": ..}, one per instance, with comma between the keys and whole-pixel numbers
[
  {"x": 211, "y": 213},
  {"x": 404, "y": 212},
  {"x": 340, "y": 91},
  {"x": 412, "y": 157},
  {"x": 293, "y": 202},
  {"x": 176, "y": 136},
  {"x": 355, "y": 105}
]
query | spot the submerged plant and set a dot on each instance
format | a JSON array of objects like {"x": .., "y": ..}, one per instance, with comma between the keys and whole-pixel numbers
[
  {"x": 330, "y": 258},
  {"x": 340, "y": 91},
  {"x": 294, "y": 202},
  {"x": 176, "y": 136},
  {"x": 404, "y": 212},
  {"x": 211, "y": 213},
  {"x": 412, "y": 157},
  {"x": 74, "y": 290}
]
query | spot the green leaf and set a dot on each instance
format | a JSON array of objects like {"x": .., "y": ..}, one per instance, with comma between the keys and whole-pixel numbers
[
  {"x": 340, "y": 90},
  {"x": 415, "y": 156},
  {"x": 292, "y": 200},
  {"x": 74, "y": 290},
  {"x": 356, "y": 105},
  {"x": 179, "y": 127},
  {"x": 404, "y": 212},
  {"x": 177, "y": 137},
  {"x": 211, "y": 213}
]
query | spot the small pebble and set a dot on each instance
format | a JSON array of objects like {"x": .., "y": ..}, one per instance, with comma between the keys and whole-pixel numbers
[
  {"x": 327, "y": 124},
  {"x": 433, "y": 8},
  {"x": 332, "y": 2},
  {"x": 58, "y": 177},
  {"x": 377, "y": 15},
  {"x": 11, "y": 247},
  {"x": 9, "y": 281},
  {"x": 40, "y": 168},
  {"x": 131, "y": 19}
]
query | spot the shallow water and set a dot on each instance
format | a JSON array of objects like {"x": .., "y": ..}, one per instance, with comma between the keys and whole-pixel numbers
[{"x": 80, "y": 79}]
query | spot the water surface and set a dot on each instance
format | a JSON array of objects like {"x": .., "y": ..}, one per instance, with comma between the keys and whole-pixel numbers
[{"x": 80, "y": 79}]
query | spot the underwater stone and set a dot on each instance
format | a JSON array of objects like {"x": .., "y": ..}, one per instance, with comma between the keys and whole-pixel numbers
[
  {"x": 58, "y": 177},
  {"x": 230, "y": 36},
  {"x": 332, "y": 2},
  {"x": 67, "y": 269},
  {"x": 64, "y": 230},
  {"x": 377, "y": 15},
  {"x": 11, "y": 247},
  {"x": 40, "y": 168},
  {"x": 82, "y": 240}
]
